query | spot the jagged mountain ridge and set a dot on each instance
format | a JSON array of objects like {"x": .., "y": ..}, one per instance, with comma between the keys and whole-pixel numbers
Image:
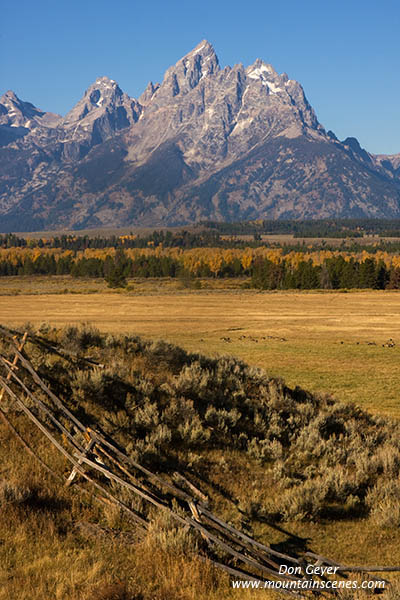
[{"x": 207, "y": 143}]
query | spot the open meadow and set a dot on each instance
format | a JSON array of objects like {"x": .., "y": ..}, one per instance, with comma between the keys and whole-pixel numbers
[
  {"x": 331, "y": 342},
  {"x": 345, "y": 344}
]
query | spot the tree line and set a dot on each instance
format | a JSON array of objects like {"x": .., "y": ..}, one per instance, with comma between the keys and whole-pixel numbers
[
  {"x": 317, "y": 228},
  {"x": 263, "y": 268},
  {"x": 333, "y": 273},
  {"x": 229, "y": 235},
  {"x": 165, "y": 238}
]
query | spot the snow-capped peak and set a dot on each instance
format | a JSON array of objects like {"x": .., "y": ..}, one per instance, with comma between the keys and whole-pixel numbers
[
  {"x": 105, "y": 82},
  {"x": 267, "y": 75}
]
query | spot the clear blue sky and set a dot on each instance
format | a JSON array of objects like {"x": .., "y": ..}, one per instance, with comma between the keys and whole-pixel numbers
[{"x": 346, "y": 54}]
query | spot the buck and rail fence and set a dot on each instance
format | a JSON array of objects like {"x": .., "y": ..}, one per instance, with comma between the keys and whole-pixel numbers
[{"x": 102, "y": 468}]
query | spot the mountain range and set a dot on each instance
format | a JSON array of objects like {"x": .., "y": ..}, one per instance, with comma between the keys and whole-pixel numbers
[{"x": 233, "y": 143}]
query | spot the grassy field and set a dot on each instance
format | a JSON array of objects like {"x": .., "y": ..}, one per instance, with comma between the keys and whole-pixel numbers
[
  {"x": 47, "y": 554},
  {"x": 322, "y": 341}
]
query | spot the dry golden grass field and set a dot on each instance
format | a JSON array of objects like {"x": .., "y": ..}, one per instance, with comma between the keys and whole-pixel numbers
[
  {"x": 322, "y": 341},
  {"x": 331, "y": 342}
]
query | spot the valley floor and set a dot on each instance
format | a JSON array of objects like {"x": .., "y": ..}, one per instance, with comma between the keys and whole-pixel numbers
[
  {"x": 346, "y": 344},
  {"x": 331, "y": 342}
]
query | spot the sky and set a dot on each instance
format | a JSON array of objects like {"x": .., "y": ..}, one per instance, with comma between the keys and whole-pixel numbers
[{"x": 346, "y": 54}]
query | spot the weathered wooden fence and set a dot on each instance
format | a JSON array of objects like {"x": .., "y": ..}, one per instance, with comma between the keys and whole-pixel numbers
[{"x": 108, "y": 469}]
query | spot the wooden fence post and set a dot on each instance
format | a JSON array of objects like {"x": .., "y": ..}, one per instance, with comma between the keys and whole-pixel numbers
[
  {"x": 15, "y": 361},
  {"x": 89, "y": 445}
]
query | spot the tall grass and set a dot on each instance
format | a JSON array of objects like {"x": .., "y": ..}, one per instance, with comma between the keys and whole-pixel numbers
[{"x": 221, "y": 422}]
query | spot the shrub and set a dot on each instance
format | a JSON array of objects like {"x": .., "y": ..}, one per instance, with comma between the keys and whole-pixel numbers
[
  {"x": 166, "y": 405},
  {"x": 78, "y": 339},
  {"x": 304, "y": 501},
  {"x": 167, "y": 535},
  {"x": 15, "y": 494},
  {"x": 383, "y": 502}
]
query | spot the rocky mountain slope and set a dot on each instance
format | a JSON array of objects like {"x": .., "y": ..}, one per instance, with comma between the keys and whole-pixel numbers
[{"x": 207, "y": 143}]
